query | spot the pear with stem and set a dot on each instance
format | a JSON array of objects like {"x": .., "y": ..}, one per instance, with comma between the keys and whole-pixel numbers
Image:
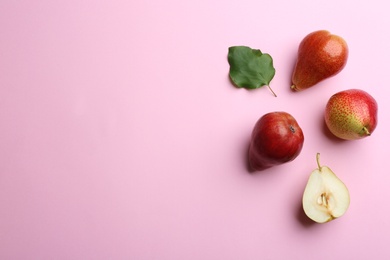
[
  {"x": 321, "y": 55},
  {"x": 325, "y": 197}
]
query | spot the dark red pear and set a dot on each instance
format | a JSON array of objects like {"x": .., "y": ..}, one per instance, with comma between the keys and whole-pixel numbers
[
  {"x": 276, "y": 139},
  {"x": 321, "y": 55}
]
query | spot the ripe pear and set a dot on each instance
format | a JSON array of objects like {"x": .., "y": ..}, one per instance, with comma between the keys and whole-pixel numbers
[
  {"x": 320, "y": 55},
  {"x": 325, "y": 197},
  {"x": 276, "y": 139},
  {"x": 351, "y": 114}
]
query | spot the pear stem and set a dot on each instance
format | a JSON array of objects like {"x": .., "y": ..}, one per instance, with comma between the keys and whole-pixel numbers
[
  {"x": 272, "y": 91},
  {"x": 366, "y": 131},
  {"x": 318, "y": 161}
]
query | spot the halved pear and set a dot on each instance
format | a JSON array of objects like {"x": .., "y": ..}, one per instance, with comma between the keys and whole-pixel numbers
[{"x": 325, "y": 197}]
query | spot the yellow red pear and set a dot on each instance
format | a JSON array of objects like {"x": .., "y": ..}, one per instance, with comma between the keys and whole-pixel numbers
[{"x": 351, "y": 114}]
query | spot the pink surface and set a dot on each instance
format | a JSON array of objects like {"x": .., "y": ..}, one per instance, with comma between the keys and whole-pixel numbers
[{"x": 122, "y": 137}]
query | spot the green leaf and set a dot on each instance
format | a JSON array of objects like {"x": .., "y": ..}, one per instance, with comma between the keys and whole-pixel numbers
[{"x": 250, "y": 68}]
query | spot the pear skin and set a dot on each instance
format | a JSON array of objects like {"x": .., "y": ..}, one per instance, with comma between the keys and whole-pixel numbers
[{"x": 321, "y": 55}]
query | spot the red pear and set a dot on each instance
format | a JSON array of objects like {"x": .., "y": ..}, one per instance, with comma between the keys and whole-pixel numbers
[
  {"x": 276, "y": 138},
  {"x": 320, "y": 55},
  {"x": 351, "y": 114}
]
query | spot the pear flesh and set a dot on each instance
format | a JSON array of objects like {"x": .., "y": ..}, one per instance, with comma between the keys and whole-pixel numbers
[{"x": 325, "y": 197}]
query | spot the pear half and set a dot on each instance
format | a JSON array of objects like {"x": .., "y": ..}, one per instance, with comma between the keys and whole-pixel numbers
[{"x": 325, "y": 197}]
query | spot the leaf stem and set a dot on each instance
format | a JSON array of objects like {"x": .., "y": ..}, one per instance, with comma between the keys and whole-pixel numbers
[{"x": 272, "y": 91}]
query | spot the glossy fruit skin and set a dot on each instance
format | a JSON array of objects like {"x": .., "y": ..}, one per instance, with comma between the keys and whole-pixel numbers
[
  {"x": 351, "y": 114},
  {"x": 276, "y": 138},
  {"x": 320, "y": 55}
]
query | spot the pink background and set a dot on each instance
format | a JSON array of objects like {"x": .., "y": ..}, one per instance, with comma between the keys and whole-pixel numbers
[{"x": 121, "y": 136}]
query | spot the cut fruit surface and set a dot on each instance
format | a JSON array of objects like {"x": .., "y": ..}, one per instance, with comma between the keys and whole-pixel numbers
[{"x": 325, "y": 197}]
